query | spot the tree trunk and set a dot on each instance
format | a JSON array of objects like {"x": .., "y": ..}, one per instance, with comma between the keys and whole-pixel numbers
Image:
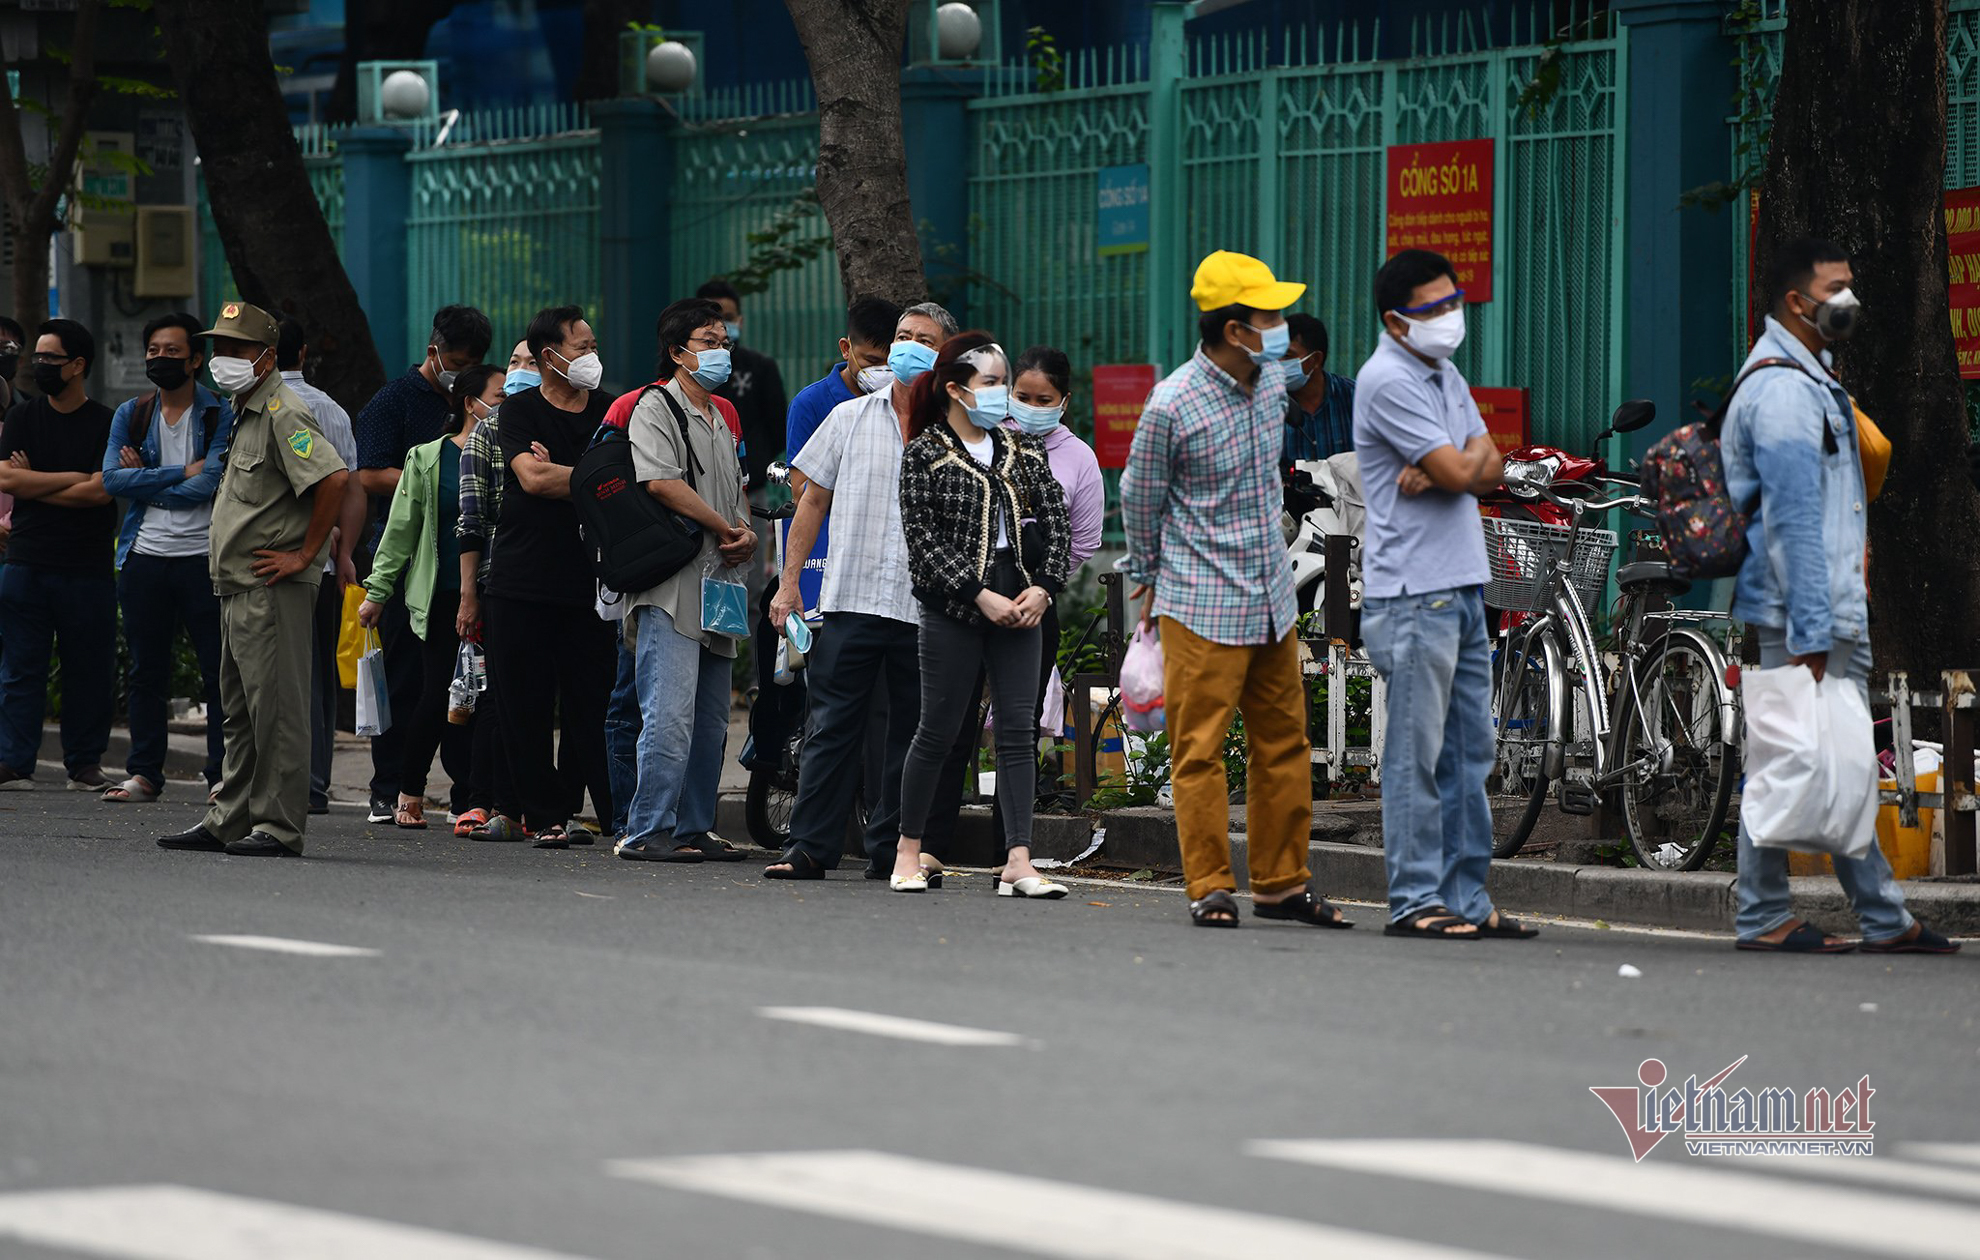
[
  {"x": 1858, "y": 158},
  {"x": 604, "y": 22},
  {"x": 31, "y": 210},
  {"x": 854, "y": 47},
  {"x": 380, "y": 30},
  {"x": 269, "y": 221}
]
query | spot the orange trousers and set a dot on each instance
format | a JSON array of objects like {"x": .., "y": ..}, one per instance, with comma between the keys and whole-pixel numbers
[{"x": 1203, "y": 683}]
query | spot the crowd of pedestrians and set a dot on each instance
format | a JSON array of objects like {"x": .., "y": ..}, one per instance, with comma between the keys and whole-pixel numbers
[{"x": 942, "y": 506}]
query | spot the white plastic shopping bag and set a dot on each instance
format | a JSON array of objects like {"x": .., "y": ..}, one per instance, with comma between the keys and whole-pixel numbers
[
  {"x": 1811, "y": 764},
  {"x": 374, "y": 698},
  {"x": 1052, "y": 714},
  {"x": 1141, "y": 682}
]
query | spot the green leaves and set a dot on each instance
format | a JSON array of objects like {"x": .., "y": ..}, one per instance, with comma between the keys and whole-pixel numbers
[{"x": 781, "y": 246}]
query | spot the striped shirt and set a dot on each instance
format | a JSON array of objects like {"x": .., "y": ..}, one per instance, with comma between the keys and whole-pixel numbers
[
  {"x": 856, "y": 454},
  {"x": 1327, "y": 430},
  {"x": 1201, "y": 501}
]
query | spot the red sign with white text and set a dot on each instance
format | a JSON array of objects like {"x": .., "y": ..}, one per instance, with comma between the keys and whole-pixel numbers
[
  {"x": 1963, "y": 276},
  {"x": 1119, "y": 390},
  {"x": 1440, "y": 198},
  {"x": 1508, "y": 414}
]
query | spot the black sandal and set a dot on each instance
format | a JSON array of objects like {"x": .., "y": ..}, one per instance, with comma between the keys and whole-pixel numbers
[
  {"x": 1432, "y": 923},
  {"x": 1507, "y": 928},
  {"x": 551, "y": 838},
  {"x": 1305, "y": 908},
  {"x": 1926, "y": 942},
  {"x": 802, "y": 865},
  {"x": 1218, "y": 902},
  {"x": 711, "y": 847},
  {"x": 1805, "y": 939}
]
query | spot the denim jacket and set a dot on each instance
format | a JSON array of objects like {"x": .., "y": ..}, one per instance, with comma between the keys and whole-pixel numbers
[
  {"x": 1805, "y": 572},
  {"x": 163, "y": 487}
]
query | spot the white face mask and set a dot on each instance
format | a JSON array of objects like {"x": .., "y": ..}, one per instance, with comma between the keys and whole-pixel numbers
[
  {"x": 1437, "y": 338},
  {"x": 874, "y": 379},
  {"x": 583, "y": 372},
  {"x": 233, "y": 375}
]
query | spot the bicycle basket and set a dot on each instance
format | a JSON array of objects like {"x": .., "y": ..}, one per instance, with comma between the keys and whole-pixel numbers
[{"x": 1523, "y": 554}]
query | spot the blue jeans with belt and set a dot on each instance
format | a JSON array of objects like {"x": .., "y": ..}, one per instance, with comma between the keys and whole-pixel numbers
[
  {"x": 1433, "y": 652},
  {"x": 1762, "y": 891}
]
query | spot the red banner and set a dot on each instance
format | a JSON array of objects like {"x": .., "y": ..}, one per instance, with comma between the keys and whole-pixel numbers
[
  {"x": 1119, "y": 390},
  {"x": 1440, "y": 198},
  {"x": 1508, "y": 414},
  {"x": 1963, "y": 276}
]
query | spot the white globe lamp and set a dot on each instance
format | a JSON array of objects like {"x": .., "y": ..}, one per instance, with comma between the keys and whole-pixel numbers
[
  {"x": 958, "y": 32},
  {"x": 670, "y": 67},
  {"x": 404, "y": 94}
]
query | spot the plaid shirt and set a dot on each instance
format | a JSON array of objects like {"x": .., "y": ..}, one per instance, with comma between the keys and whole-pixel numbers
[
  {"x": 481, "y": 490},
  {"x": 1201, "y": 501},
  {"x": 1328, "y": 431}
]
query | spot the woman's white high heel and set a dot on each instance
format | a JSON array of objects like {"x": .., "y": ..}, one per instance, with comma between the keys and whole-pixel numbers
[{"x": 1034, "y": 886}]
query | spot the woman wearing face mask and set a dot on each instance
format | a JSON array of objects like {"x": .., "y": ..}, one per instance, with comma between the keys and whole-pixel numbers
[
  {"x": 989, "y": 545},
  {"x": 419, "y": 544}
]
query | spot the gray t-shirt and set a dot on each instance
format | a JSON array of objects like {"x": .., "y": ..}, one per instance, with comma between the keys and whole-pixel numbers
[
  {"x": 166, "y": 531},
  {"x": 1403, "y": 410},
  {"x": 718, "y": 479}
]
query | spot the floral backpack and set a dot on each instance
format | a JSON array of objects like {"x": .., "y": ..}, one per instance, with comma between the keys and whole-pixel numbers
[{"x": 1704, "y": 531}]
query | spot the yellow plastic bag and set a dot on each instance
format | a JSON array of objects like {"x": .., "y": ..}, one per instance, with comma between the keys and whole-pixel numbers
[{"x": 350, "y": 637}]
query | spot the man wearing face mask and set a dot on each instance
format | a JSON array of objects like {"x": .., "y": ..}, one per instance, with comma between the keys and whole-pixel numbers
[
  {"x": 164, "y": 456},
  {"x": 1200, "y": 502},
  {"x": 56, "y": 587},
  {"x": 1425, "y": 457},
  {"x": 409, "y": 411},
  {"x": 1790, "y": 449},
  {"x": 868, "y": 647},
  {"x": 1319, "y": 404},
  {"x": 278, "y": 503},
  {"x": 755, "y": 386}
]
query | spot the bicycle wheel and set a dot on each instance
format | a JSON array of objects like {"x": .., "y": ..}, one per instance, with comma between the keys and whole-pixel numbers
[
  {"x": 773, "y": 794},
  {"x": 1679, "y": 771},
  {"x": 1522, "y": 725}
]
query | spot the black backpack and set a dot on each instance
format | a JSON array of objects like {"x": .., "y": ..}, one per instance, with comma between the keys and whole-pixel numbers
[
  {"x": 148, "y": 406},
  {"x": 636, "y": 541}
]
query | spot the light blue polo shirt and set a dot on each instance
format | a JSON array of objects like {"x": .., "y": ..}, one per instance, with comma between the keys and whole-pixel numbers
[{"x": 1403, "y": 409}]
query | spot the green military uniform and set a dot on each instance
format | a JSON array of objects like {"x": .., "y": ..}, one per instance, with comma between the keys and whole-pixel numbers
[{"x": 266, "y": 497}]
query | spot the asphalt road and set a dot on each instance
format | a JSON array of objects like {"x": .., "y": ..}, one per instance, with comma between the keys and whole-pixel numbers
[{"x": 560, "y": 1051}]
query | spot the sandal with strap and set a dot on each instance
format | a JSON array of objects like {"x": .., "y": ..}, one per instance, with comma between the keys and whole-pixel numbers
[
  {"x": 136, "y": 790},
  {"x": 1306, "y": 907},
  {"x": 466, "y": 823},
  {"x": 1432, "y": 923},
  {"x": 1805, "y": 939},
  {"x": 1926, "y": 941},
  {"x": 1506, "y": 928},
  {"x": 1216, "y": 909},
  {"x": 411, "y": 816},
  {"x": 802, "y": 866}
]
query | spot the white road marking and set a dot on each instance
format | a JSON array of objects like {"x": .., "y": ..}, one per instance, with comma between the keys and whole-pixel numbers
[
  {"x": 180, "y": 1223},
  {"x": 1898, "y": 1174},
  {"x": 890, "y": 1026},
  {"x": 283, "y": 945},
  {"x": 1884, "y": 1224},
  {"x": 1027, "y": 1214},
  {"x": 1946, "y": 1152}
]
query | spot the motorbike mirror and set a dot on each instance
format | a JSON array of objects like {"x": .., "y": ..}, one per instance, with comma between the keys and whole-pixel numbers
[{"x": 1633, "y": 415}]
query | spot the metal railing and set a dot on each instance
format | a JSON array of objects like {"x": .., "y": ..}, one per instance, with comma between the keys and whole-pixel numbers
[{"x": 1954, "y": 706}]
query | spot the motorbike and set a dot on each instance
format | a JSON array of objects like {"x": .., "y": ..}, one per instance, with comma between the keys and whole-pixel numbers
[{"x": 1324, "y": 499}]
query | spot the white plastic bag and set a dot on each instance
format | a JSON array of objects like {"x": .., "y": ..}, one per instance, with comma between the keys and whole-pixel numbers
[
  {"x": 1141, "y": 682},
  {"x": 1811, "y": 764},
  {"x": 374, "y": 698},
  {"x": 1052, "y": 714}
]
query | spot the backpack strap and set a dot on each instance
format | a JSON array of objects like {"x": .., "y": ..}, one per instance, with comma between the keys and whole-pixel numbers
[
  {"x": 693, "y": 463},
  {"x": 141, "y": 420},
  {"x": 211, "y": 423},
  {"x": 1716, "y": 421}
]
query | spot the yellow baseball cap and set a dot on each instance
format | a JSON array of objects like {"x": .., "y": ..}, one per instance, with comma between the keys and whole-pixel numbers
[{"x": 1227, "y": 279}]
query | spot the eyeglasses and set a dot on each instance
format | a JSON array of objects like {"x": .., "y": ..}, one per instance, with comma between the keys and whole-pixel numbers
[
  {"x": 53, "y": 360},
  {"x": 703, "y": 343},
  {"x": 1441, "y": 306},
  {"x": 10, "y": 347}
]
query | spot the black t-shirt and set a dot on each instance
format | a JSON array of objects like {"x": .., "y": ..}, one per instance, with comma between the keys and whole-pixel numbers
[
  {"x": 756, "y": 387},
  {"x": 538, "y": 553},
  {"x": 48, "y": 535}
]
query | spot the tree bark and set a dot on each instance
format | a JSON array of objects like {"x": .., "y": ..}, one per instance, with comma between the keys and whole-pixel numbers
[
  {"x": 31, "y": 210},
  {"x": 268, "y": 218},
  {"x": 604, "y": 22},
  {"x": 380, "y": 30},
  {"x": 854, "y": 47},
  {"x": 1858, "y": 158}
]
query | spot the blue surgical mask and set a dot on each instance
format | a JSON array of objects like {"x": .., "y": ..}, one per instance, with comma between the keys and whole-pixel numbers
[
  {"x": 1296, "y": 374},
  {"x": 993, "y": 406},
  {"x": 1277, "y": 340},
  {"x": 711, "y": 367},
  {"x": 734, "y": 330},
  {"x": 909, "y": 359},
  {"x": 1036, "y": 420},
  {"x": 519, "y": 380}
]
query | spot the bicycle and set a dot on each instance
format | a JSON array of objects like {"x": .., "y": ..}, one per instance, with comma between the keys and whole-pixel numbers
[{"x": 1660, "y": 727}]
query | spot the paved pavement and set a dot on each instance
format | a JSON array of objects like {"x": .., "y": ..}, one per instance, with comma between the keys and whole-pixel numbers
[{"x": 555, "y": 1054}]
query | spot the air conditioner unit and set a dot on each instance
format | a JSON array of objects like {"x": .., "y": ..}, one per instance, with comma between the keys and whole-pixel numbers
[
  {"x": 100, "y": 218},
  {"x": 164, "y": 252}
]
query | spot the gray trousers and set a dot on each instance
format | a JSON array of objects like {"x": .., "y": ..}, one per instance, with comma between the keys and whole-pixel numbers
[
  {"x": 264, "y": 691},
  {"x": 952, "y": 652}
]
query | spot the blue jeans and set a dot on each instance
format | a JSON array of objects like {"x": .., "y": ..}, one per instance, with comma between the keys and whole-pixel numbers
[
  {"x": 160, "y": 594},
  {"x": 38, "y": 608},
  {"x": 1433, "y": 653},
  {"x": 686, "y": 726},
  {"x": 622, "y": 725},
  {"x": 1763, "y": 873}
]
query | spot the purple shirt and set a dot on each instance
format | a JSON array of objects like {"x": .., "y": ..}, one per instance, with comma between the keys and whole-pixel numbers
[{"x": 1078, "y": 471}]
